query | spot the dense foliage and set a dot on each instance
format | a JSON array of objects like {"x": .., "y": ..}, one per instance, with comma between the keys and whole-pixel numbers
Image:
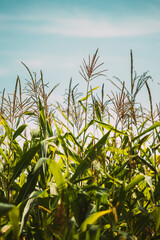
[{"x": 87, "y": 169}]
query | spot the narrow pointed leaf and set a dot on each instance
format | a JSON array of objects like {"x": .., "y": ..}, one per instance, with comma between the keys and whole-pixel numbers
[
  {"x": 109, "y": 127},
  {"x": 26, "y": 211},
  {"x": 91, "y": 156},
  {"x": 148, "y": 164},
  {"x": 86, "y": 97},
  {"x": 64, "y": 115},
  {"x": 24, "y": 161},
  {"x": 19, "y": 131},
  {"x": 157, "y": 124},
  {"x": 98, "y": 112},
  {"x": 92, "y": 219},
  {"x": 39, "y": 164},
  {"x": 4, "y": 156},
  {"x": 84, "y": 108},
  {"x": 56, "y": 171},
  {"x": 134, "y": 182},
  {"x": 28, "y": 187},
  {"x": 85, "y": 128}
]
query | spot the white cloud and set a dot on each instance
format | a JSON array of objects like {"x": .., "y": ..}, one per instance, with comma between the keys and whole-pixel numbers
[
  {"x": 100, "y": 28},
  {"x": 83, "y": 25}
]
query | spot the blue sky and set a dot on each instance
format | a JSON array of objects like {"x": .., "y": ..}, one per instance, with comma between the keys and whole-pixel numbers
[{"x": 54, "y": 36}]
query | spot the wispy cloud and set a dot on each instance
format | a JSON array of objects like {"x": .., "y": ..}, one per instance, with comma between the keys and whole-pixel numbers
[
  {"x": 83, "y": 26},
  {"x": 101, "y": 27}
]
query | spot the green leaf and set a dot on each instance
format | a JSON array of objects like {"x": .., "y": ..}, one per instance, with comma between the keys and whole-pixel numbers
[
  {"x": 86, "y": 97},
  {"x": 64, "y": 115},
  {"x": 18, "y": 122},
  {"x": 44, "y": 148},
  {"x": 56, "y": 171},
  {"x": 28, "y": 187},
  {"x": 85, "y": 128},
  {"x": 148, "y": 164},
  {"x": 104, "y": 125},
  {"x": 71, "y": 137},
  {"x": 6, "y": 127},
  {"x": 93, "y": 89},
  {"x": 5, "y": 208},
  {"x": 115, "y": 180},
  {"x": 39, "y": 164},
  {"x": 134, "y": 182},
  {"x": 98, "y": 112},
  {"x": 84, "y": 108},
  {"x": 49, "y": 129},
  {"x": 43, "y": 124},
  {"x": 157, "y": 124},
  {"x": 14, "y": 219},
  {"x": 91, "y": 156},
  {"x": 88, "y": 94},
  {"x": 92, "y": 219},
  {"x": 29, "y": 113},
  {"x": 26, "y": 210},
  {"x": 119, "y": 151},
  {"x": 24, "y": 161},
  {"x": 19, "y": 131},
  {"x": 109, "y": 127},
  {"x": 4, "y": 156}
]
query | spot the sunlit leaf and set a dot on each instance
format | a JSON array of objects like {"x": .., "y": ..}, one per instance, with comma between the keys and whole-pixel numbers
[
  {"x": 154, "y": 126},
  {"x": 57, "y": 173},
  {"x": 91, "y": 156},
  {"x": 134, "y": 182},
  {"x": 24, "y": 161},
  {"x": 157, "y": 218},
  {"x": 92, "y": 219},
  {"x": 19, "y": 131},
  {"x": 14, "y": 219}
]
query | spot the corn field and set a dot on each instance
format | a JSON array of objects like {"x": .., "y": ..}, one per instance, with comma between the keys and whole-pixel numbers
[{"x": 87, "y": 169}]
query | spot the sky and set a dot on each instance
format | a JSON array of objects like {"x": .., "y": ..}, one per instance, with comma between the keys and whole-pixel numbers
[{"x": 55, "y": 36}]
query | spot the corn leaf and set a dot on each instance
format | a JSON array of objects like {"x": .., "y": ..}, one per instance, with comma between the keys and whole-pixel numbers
[
  {"x": 92, "y": 219},
  {"x": 157, "y": 124},
  {"x": 19, "y": 131},
  {"x": 14, "y": 219},
  {"x": 56, "y": 172},
  {"x": 91, "y": 156},
  {"x": 28, "y": 187},
  {"x": 24, "y": 161},
  {"x": 27, "y": 209},
  {"x": 39, "y": 164},
  {"x": 134, "y": 182}
]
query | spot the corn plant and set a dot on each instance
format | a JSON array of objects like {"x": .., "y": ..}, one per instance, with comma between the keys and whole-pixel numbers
[{"x": 94, "y": 175}]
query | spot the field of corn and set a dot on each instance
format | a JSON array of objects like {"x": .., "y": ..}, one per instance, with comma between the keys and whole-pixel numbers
[{"x": 87, "y": 169}]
